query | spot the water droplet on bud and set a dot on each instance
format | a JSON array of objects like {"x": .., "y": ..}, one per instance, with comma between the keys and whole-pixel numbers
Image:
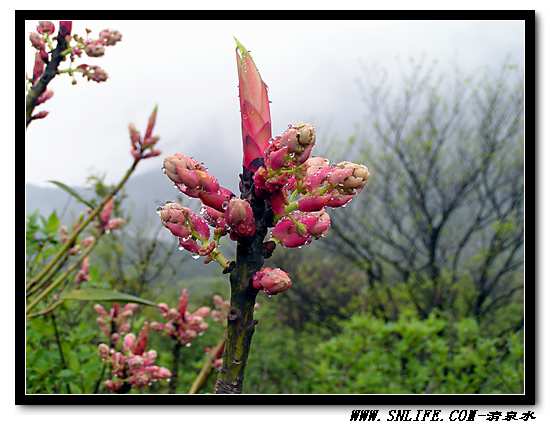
[{"x": 196, "y": 257}]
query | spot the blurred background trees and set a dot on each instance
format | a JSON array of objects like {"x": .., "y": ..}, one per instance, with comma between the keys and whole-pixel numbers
[{"x": 419, "y": 289}]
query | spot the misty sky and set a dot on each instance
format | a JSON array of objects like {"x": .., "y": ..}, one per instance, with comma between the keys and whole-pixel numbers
[{"x": 188, "y": 68}]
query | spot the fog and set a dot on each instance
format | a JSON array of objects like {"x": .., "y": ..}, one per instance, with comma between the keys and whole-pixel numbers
[{"x": 188, "y": 68}]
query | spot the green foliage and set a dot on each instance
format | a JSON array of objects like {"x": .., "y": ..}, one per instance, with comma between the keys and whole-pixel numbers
[{"x": 417, "y": 356}]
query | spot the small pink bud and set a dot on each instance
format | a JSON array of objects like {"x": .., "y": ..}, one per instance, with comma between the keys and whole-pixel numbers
[
  {"x": 103, "y": 350},
  {"x": 313, "y": 203},
  {"x": 317, "y": 223},
  {"x": 174, "y": 218},
  {"x": 128, "y": 342},
  {"x": 44, "y": 97},
  {"x": 37, "y": 41},
  {"x": 38, "y": 67},
  {"x": 240, "y": 218},
  {"x": 141, "y": 341},
  {"x": 287, "y": 233},
  {"x": 115, "y": 223},
  {"x": 202, "y": 312},
  {"x": 152, "y": 119},
  {"x": 110, "y": 37},
  {"x": 277, "y": 158},
  {"x": 218, "y": 200},
  {"x": 40, "y": 115},
  {"x": 106, "y": 212},
  {"x": 272, "y": 281},
  {"x": 183, "y": 302},
  {"x": 83, "y": 273},
  {"x": 65, "y": 28},
  {"x": 338, "y": 200},
  {"x": 278, "y": 202},
  {"x": 94, "y": 48},
  {"x": 45, "y": 27},
  {"x": 356, "y": 176}
]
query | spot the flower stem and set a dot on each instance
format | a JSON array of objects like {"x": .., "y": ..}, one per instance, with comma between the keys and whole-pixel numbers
[
  {"x": 240, "y": 321},
  {"x": 207, "y": 367},
  {"x": 70, "y": 241},
  {"x": 176, "y": 350},
  {"x": 49, "y": 73}
]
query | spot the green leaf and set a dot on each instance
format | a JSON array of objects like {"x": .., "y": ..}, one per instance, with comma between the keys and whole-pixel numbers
[
  {"x": 97, "y": 294},
  {"x": 52, "y": 224},
  {"x": 72, "y": 192}
]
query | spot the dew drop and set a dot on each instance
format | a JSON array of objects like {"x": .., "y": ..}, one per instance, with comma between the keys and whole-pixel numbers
[
  {"x": 163, "y": 170},
  {"x": 180, "y": 248},
  {"x": 196, "y": 257},
  {"x": 188, "y": 344}
]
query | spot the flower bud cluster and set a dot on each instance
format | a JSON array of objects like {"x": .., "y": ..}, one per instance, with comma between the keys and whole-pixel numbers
[
  {"x": 221, "y": 309},
  {"x": 191, "y": 229},
  {"x": 193, "y": 179},
  {"x": 181, "y": 324},
  {"x": 144, "y": 147},
  {"x": 133, "y": 367},
  {"x": 300, "y": 187},
  {"x": 115, "y": 323}
]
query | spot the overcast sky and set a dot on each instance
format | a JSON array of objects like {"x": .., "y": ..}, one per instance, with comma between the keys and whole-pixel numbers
[{"x": 188, "y": 68}]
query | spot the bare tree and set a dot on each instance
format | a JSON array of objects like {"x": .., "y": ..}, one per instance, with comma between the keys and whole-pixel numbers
[{"x": 445, "y": 204}]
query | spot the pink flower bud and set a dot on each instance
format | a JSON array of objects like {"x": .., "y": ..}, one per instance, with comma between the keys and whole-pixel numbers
[
  {"x": 94, "y": 48},
  {"x": 240, "y": 218},
  {"x": 37, "y": 41},
  {"x": 40, "y": 115},
  {"x": 65, "y": 28},
  {"x": 287, "y": 233},
  {"x": 278, "y": 201},
  {"x": 337, "y": 200},
  {"x": 183, "y": 302},
  {"x": 317, "y": 223},
  {"x": 162, "y": 373},
  {"x": 103, "y": 350},
  {"x": 152, "y": 118},
  {"x": 277, "y": 159},
  {"x": 83, "y": 273},
  {"x": 115, "y": 223},
  {"x": 38, "y": 67},
  {"x": 135, "y": 138},
  {"x": 214, "y": 218},
  {"x": 313, "y": 203},
  {"x": 202, "y": 312},
  {"x": 44, "y": 97},
  {"x": 113, "y": 386},
  {"x": 128, "y": 342},
  {"x": 106, "y": 212},
  {"x": 356, "y": 176},
  {"x": 175, "y": 218},
  {"x": 141, "y": 341},
  {"x": 297, "y": 138},
  {"x": 45, "y": 27},
  {"x": 110, "y": 37},
  {"x": 87, "y": 241},
  {"x": 218, "y": 200},
  {"x": 93, "y": 73},
  {"x": 272, "y": 281}
]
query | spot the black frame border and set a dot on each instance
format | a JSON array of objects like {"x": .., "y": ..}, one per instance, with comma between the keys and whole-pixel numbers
[{"x": 528, "y": 398}]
